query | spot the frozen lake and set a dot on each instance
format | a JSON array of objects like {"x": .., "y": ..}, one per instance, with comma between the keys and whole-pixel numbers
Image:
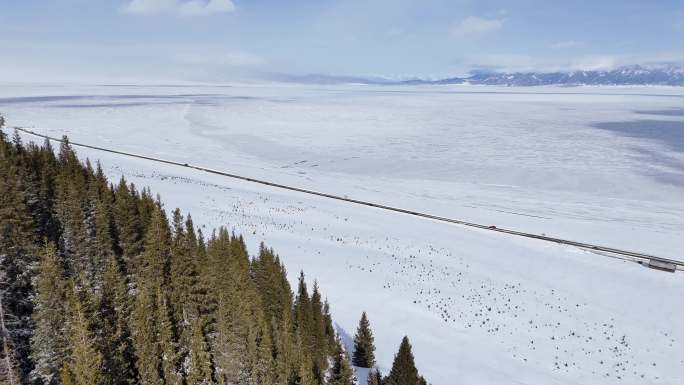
[
  {"x": 608, "y": 161},
  {"x": 602, "y": 165}
]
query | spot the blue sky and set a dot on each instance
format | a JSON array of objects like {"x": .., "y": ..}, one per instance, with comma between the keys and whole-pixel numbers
[{"x": 229, "y": 39}]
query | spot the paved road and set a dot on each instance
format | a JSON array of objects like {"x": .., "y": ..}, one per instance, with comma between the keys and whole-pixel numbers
[{"x": 642, "y": 258}]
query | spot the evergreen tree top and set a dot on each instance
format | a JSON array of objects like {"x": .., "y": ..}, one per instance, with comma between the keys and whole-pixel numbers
[
  {"x": 404, "y": 370},
  {"x": 364, "y": 348}
]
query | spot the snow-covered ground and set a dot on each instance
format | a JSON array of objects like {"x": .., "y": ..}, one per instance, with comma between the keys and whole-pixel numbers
[{"x": 602, "y": 165}]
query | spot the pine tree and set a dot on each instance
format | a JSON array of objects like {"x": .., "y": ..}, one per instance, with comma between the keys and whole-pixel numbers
[
  {"x": 146, "y": 206},
  {"x": 303, "y": 313},
  {"x": 181, "y": 269},
  {"x": 304, "y": 374},
  {"x": 145, "y": 340},
  {"x": 49, "y": 344},
  {"x": 196, "y": 289},
  {"x": 85, "y": 361},
  {"x": 114, "y": 311},
  {"x": 374, "y": 377},
  {"x": 36, "y": 168},
  {"x": 168, "y": 345},
  {"x": 101, "y": 184},
  {"x": 16, "y": 140},
  {"x": 271, "y": 281},
  {"x": 186, "y": 294},
  {"x": 181, "y": 275},
  {"x": 319, "y": 340},
  {"x": 200, "y": 364},
  {"x": 17, "y": 265},
  {"x": 67, "y": 156},
  {"x": 404, "y": 370},
  {"x": 285, "y": 355},
  {"x": 154, "y": 338},
  {"x": 154, "y": 266},
  {"x": 127, "y": 219},
  {"x": 260, "y": 352},
  {"x": 238, "y": 316},
  {"x": 206, "y": 305},
  {"x": 341, "y": 372},
  {"x": 104, "y": 241},
  {"x": 364, "y": 348},
  {"x": 329, "y": 329},
  {"x": 71, "y": 209},
  {"x": 44, "y": 210},
  {"x": 71, "y": 212}
]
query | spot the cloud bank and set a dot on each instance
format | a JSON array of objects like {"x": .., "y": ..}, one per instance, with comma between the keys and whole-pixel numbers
[{"x": 179, "y": 7}]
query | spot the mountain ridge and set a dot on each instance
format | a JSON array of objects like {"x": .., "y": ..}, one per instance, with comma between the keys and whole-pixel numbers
[{"x": 671, "y": 75}]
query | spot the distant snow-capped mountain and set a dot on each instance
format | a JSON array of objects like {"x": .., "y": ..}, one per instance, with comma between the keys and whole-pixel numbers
[
  {"x": 628, "y": 75},
  {"x": 631, "y": 75}
]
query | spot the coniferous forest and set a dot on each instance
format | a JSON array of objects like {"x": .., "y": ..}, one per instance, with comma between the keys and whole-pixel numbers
[{"x": 98, "y": 286}]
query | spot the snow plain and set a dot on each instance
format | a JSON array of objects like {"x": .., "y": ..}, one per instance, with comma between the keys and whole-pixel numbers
[{"x": 602, "y": 165}]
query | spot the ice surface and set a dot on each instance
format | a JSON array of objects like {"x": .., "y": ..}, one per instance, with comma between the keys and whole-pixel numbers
[{"x": 602, "y": 165}]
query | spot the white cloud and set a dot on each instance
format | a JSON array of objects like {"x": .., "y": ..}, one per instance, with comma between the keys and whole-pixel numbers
[
  {"x": 473, "y": 25},
  {"x": 503, "y": 62},
  {"x": 511, "y": 62},
  {"x": 596, "y": 62},
  {"x": 179, "y": 7},
  {"x": 145, "y": 7},
  {"x": 565, "y": 44}
]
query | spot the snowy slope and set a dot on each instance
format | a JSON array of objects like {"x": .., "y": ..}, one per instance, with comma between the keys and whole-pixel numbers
[{"x": 604, "y": 165}]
